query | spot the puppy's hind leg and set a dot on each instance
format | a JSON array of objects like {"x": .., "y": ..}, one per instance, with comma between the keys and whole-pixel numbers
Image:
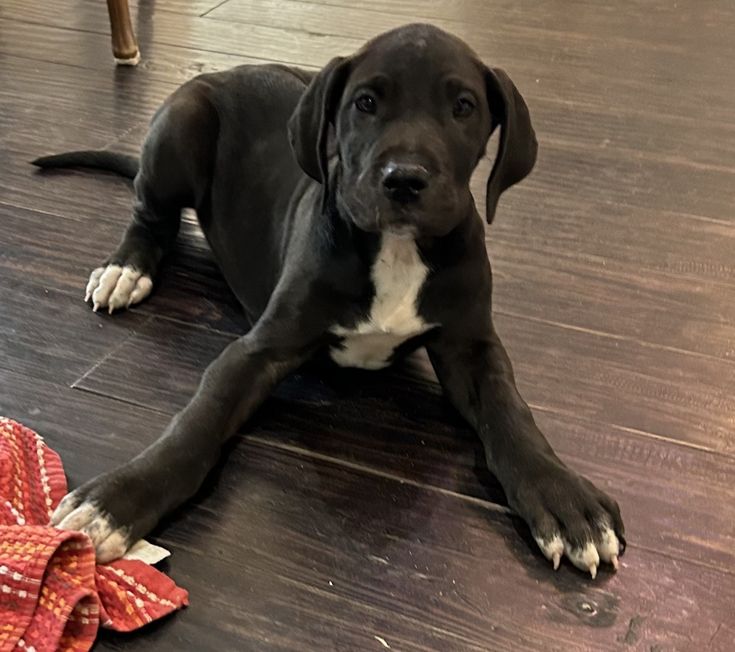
[{"x": 175, "y": 173}]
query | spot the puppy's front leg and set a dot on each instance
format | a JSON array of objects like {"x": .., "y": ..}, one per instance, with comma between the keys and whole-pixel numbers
[
  {"x": 567, "y": 514},
  {"x": 117, "y": 508}
]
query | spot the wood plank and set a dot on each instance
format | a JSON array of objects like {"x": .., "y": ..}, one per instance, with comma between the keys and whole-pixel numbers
[
  {"x": 598, "y": 121},
  {"x": 91, "y": 433},
  {"x": 507, "y": 34},
  {"x": 280, "y": 33},
  {"x": 352, "y": 555},
  {"x": 598, "y": 377},
  {"x": 142, "y": 9},
  {"x": 95, "y": 201},
  {"x": 559, "y": 268},
  {"x": 674, "y": 26},
  {"x": 676, "y": 501},
  {"x": 101, "y": 109},
  {"x": 608, "y": 244},
  {"x": 269, "y": 43},
  {"x": 44, "y": 332},
  {"x": 89, "y": 48},
  {"x": 606, "y": 173},
  {"x": 597, "y": 179},
  {"x": 396, "y": 423},
  {"x": 463, "y": 590},
  {"x": 54, "y": 251},
  {"x": 623, "y": 382},
  {"x": 614, "y": 287},
  {"x": 666, "y": 281}
]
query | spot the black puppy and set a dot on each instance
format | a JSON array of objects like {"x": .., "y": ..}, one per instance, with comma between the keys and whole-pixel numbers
[{"x": 364, "y": 245}]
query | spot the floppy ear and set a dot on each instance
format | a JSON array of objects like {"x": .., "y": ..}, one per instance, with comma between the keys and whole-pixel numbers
[
  {"x": 308, "y": 127},
  {"x": 517, "y": 148}
]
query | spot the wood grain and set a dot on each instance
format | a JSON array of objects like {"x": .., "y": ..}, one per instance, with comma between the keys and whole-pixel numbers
[
  {"x": 322, "y": 411},
  {"x": 330, "y": 557},
  {"x": 602, "y": 245},
  {"x": 356, "y": 507}
]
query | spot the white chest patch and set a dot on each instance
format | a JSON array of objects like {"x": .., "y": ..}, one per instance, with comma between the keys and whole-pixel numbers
[{"x": 398, "y": 275}]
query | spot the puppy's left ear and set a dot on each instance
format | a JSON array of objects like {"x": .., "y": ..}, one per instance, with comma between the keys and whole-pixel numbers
[
  {"x": 308, "y": 127},
  {"x": 518, "y": 147}
]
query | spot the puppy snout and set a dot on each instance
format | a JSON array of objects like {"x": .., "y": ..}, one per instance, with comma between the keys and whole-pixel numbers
[{"x": 404, "y": 182}]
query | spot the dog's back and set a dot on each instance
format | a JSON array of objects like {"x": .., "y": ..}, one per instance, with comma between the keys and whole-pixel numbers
[{"x": 254, "y": 178}]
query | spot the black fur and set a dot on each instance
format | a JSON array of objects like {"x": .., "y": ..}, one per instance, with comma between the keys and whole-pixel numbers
[{"x": 296, "y": 234}]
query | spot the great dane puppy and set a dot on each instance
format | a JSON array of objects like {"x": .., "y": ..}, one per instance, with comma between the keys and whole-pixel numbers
[{"x": 338, "y": 208}]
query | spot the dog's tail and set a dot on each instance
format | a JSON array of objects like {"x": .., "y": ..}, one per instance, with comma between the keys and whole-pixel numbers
[{"x": 122, "y": 164}]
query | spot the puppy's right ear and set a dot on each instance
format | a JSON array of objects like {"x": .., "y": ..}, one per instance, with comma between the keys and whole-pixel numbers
[{"x": 308, "y": 127}]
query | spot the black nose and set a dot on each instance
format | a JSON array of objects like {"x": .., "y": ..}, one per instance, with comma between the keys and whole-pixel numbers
[{"x": 404, "y": 182}]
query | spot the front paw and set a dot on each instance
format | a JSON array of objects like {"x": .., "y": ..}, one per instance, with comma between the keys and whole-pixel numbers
[
  {"x": 117, "y": 286},
  {"x": 569, "y": 516},
  {"x": 106, "y": 509}
]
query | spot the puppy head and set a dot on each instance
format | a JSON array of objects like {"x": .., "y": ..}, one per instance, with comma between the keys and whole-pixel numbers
[{"x": 412, "y": 112}]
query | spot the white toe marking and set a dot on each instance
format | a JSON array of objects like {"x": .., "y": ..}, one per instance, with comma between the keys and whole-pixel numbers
[
  {"x": 113, "y": 547},
  {"x": 110, "y": 543},
  {"x": 609, "y": 547},
  {"x": 552, "y": 548},
  {"x": 586, "y": 558},
  {"x": 114, "y": 287},
  {"x": 78, "y": 518},
  {"x": 107, "y": 284},
  {"x": 94, "y": 280},
  {"x": 125, "y": 284},
  {"x": 63, "y": 509},
  {"x": 98, "y": 530},
  {"x": 141, "y": 290}
]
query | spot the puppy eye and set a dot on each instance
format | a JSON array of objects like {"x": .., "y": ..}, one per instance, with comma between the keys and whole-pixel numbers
[
  {"x": 463, "y": 107},
  {"x": 366, "y": 103}
]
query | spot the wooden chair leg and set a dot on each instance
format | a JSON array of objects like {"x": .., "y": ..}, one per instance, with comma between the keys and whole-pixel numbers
[{"x": 124, "y": 45}]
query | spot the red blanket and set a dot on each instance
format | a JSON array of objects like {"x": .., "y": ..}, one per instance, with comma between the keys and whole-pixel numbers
[{"x": 52, "y": 595}]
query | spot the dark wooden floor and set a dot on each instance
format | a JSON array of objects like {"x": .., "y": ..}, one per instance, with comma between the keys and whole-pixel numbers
[{"x": 353, "y": 514}]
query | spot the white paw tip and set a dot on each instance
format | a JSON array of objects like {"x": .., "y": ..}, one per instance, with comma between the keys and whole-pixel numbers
[
  {"x": 64, "y": 508},
  {"x": 98, "y": 529},
  {"x": 552, "y": 549},
  {"x": 113, "y": 547},
  {"x": 609, "y": 546},
  {"x": 585, "y": 558},
  {"x": 78, "y": 518},
  {"x": 145, "y": 284},
  {"x": 115, "y": 287}
]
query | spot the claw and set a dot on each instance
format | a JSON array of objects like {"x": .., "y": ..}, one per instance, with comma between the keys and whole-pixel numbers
[
  {"x": 92, "y": 283},
  {"x": 552, "y": 549},
  {"x": 614, "y": 561},
  {"x": 585, "y": 558},
  {"x": 96, "y": 307}
]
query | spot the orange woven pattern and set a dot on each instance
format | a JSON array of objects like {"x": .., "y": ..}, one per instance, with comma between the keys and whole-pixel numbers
[
  {"x": 52, "y": 596},
  {"x": 47, "y": 589}
]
